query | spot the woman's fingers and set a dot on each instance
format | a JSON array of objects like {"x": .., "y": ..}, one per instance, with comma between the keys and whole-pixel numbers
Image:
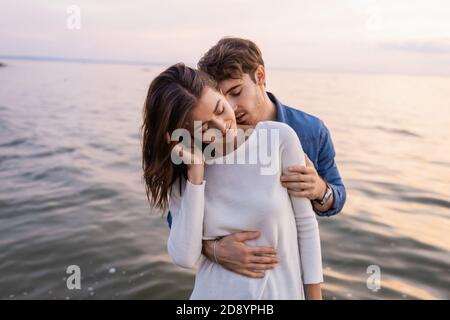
[
  {"x": 189, "y": 154},
  {"x": 178, "y": 151}
]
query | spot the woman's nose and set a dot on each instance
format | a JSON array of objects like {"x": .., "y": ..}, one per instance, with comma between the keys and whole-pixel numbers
[{"x": 221, "y": 125}]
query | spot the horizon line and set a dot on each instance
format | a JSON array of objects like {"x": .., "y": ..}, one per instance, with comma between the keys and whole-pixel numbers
[
  {"x": 166, "y": 63},
  {"x": 79, "y": 60}
]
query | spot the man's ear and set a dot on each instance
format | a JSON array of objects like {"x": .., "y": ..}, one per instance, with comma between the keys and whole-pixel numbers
[{"x": 260, "y": 75}]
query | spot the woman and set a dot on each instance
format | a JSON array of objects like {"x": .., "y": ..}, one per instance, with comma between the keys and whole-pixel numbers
[{"x": 208, "y": 201}]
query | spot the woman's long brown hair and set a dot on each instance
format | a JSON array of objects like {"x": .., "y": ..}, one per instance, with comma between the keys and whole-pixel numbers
[{"x": 170, "y": 99}]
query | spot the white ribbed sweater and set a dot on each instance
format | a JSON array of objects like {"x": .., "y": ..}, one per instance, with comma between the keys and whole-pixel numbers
[{"x": 237, "y": 197}]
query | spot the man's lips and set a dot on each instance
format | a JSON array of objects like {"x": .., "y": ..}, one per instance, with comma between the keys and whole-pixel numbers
[{"x": 239, "y": 116}]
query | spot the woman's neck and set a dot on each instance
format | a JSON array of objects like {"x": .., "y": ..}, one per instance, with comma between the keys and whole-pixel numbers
[{"x": 225, "y": 147}]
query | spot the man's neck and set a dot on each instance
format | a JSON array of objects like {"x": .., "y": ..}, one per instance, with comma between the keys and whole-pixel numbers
[{"x": 269, "y": 108}]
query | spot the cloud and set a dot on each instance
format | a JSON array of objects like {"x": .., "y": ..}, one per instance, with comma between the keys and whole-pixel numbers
[
  {"x": 315, "y": 34},
  {"x": 438, "y": 46}
]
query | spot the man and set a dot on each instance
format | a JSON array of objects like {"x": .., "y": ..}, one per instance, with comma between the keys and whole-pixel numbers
[{"x": 237, "y": 66}]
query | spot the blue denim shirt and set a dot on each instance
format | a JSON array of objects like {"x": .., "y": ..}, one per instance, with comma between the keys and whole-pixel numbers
[{"x": 317, "y": 144}]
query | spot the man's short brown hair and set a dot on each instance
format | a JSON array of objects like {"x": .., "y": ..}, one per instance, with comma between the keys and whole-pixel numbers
[{"x": 230, "y": 58}]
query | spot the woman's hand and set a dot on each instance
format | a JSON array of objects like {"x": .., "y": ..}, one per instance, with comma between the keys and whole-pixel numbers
[
  {"x": 193, "y": 158},
  {"x": 313, "y": 291}
]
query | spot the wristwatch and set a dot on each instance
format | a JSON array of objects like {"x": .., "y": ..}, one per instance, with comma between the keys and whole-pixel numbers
[{"x": 326, "y": 197}]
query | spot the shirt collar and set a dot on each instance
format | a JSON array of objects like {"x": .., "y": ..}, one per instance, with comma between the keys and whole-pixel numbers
[{"x": 281, "y": 109}]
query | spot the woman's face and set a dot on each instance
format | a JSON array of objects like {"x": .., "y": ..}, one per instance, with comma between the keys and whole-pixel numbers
[{"x": 213, "y": 112}]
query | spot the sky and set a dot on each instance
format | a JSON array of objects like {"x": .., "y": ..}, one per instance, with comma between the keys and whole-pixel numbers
[{"x": 389, "y": 36}]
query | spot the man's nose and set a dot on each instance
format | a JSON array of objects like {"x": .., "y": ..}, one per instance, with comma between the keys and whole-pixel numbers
[{"x": 232, "y": 103}]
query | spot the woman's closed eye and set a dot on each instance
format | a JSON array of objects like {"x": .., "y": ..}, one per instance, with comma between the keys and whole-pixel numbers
[{"x": 236, "y": 93}]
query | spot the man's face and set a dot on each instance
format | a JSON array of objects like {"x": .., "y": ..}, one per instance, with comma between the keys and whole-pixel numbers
[{"x": 245, "y": 97}]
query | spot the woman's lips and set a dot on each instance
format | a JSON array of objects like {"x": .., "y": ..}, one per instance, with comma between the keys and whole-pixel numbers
[{"x": 227, "y": 127}]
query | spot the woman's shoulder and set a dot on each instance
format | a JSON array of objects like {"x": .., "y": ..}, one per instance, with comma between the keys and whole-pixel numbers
[{"x": 285, "y": 131}]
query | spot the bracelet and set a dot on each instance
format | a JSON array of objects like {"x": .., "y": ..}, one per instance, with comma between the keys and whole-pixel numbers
[{"x": 214, "y": 250}]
